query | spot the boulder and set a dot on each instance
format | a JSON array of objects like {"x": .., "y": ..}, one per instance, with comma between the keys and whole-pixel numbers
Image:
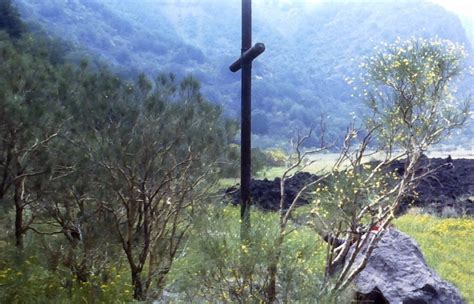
[{"x": 397, "y": 272}]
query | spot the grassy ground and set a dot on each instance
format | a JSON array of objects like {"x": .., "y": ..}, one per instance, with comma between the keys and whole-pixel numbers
[
  {"x": 323, "y": 162},
  {"x": 447, "y": 245},
  {"x": 455, "y": 152}
]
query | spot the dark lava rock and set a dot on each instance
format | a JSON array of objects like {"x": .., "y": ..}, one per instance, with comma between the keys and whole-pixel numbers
[
  {"x": 266, "y": 193},
  {"x": 449, "y": 190},
  {"x": 396, "y": 272}
]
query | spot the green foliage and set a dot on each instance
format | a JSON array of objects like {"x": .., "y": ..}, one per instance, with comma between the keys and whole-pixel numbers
[
  {"x": 106, "y": 184},
  {"x": 447, "y": 245},
  {"x": 261, "y": 160},
  {"x": 342, "y": 196},
  {"x": 34, "y": 280},
  {"x": 31, "y": 279},
  {"x": 231, "y": 168},
  {"x": 299, "y": 78},
  {"x": 411, "y": 91},
  {"x": 408, "y": 88},
  {"x": 31, "y": 114},
  {"x": 215, "y": 262},
  {"x": 10, "y": 20},
  {"x": 81, "y": 149},
  {"x": 28, "y": 87}
]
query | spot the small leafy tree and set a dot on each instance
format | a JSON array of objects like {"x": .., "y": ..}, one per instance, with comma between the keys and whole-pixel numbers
[
  {"x": 285, "y": 213},
  {"x": 157, "y": 161},
  {"x": 68, "y": 205},
  {"x": 410, "y": 90},
  {"x": 30, "y": 118}
]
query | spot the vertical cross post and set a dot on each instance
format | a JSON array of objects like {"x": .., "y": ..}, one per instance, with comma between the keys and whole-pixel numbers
[
  {"x": 248, "y": 54},
  {"x": 246, "y": 106}
]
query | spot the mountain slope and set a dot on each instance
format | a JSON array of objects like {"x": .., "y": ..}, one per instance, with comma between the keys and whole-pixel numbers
[
  {"x": 120, "y": 40},
  {"x": 310, "y": 49}
]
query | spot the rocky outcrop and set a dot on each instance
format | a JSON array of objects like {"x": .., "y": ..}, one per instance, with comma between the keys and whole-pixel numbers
[
  {"x": 449, "y": 190},
  {"x": 266, "y": 193},
  {"x": 397, "y": 272}
]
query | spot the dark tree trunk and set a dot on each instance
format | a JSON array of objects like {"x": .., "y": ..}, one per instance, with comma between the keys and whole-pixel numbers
[
  {"x": 138, "y": 291},
  {"x": 271, "y": 288},
  {"x": 271, "y": 291},
  {"x": 19, "y": 208},
  {"x": 5, "y": 184}
]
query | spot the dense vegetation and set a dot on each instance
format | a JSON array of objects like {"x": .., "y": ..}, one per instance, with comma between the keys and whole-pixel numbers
[
  {"x": 118, "y": 168},
  {"x": 108, "y": 185},
  {"x": 298, "y": 80}
]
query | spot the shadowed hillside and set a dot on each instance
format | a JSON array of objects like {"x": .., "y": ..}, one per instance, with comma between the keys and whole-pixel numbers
[{"x": 310, "y": 49}]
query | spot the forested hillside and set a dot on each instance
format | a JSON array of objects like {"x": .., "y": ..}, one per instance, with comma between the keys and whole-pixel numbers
[
  {"x": 301, "y": 76},
  {"x": 112, "y": 180}
]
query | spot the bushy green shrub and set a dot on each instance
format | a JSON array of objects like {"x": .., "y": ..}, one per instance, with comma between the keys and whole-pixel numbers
[
  {"x": 275, "y": 158},
  {"x": 217, "y": 266},
  {"x": 261, "y": 159},
  {"x": 27, "y": 277}
]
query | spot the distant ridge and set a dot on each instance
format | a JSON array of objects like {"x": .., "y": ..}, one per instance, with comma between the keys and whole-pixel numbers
[{"x": 310, "y": 49}]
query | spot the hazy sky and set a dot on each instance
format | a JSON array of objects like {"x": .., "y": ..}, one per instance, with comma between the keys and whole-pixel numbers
[{"x": 461, "y": 7}]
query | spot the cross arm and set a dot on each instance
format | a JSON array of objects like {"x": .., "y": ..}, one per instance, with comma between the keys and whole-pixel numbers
[{"x": 248, "y": 56}]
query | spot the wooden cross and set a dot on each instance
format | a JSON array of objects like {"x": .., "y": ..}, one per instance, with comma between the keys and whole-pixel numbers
[{"x": 248, "y": 54}]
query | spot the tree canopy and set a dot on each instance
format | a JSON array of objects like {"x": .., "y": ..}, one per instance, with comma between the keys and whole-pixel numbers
[
  {"x": 411, "y": 89},
  {"x": 10, "y": 20}
]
